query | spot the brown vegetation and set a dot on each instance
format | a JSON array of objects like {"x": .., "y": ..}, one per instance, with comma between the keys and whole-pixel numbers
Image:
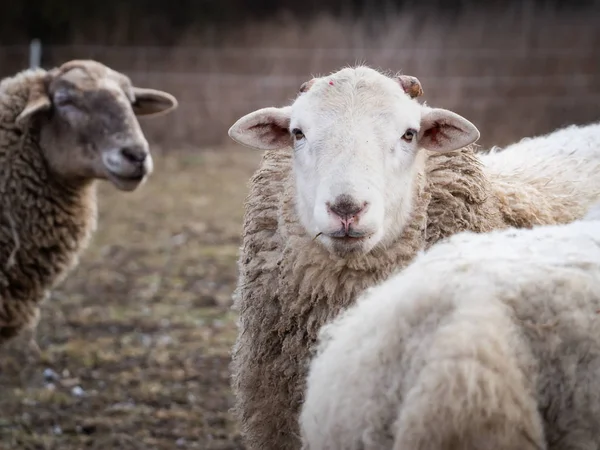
[{"x": 143, "y": 326}]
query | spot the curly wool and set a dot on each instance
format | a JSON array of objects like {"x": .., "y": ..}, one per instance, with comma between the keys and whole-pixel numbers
[
  {"x": 281, "y": 262},
  {"x": 44, "y": 224},
  {"x": 289, "y": 286}
]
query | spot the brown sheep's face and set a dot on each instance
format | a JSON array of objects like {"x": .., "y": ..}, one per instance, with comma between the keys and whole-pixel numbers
[{"x": 89, "y": 129}]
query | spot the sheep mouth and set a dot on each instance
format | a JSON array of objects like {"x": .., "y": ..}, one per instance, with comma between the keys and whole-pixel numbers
[
  {"x": 126, "y": 182},
  {"x": 348, "y": 239},
  {"x": 346, "y": 246},
  {"x": 348, "y": 235},
  {"x": 345, "y": 243}
]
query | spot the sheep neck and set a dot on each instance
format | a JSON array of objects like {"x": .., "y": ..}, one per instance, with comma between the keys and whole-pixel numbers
[{"x": 44, "y": 222}]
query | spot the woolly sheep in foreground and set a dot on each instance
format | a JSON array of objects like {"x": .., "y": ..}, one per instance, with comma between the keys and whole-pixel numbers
[
  {"x": 372, "y": 177},
  {"x": 60, "y": 130},
  {"x": 486, "y": 341}
]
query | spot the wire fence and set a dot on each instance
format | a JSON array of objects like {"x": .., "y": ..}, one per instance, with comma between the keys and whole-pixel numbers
[{"x": 507, "y": 93}]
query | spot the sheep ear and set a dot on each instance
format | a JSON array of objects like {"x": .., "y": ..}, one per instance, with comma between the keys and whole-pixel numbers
[
  {"x": 445, "y": 131},
  {"x": 150, "y": 102},
  {"x": 38, "y": 101},
  {"x": 265, "y": 129}
]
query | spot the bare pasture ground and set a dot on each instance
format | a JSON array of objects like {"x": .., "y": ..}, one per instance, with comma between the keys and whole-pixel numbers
[{"x": 135, "y": 343}]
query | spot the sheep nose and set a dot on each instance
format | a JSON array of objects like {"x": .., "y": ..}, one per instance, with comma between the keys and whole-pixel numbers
[
  {"x": 345, "y": 205},
  {"x": 135, "y": 154},
  {"x": 346, "y": 209}
]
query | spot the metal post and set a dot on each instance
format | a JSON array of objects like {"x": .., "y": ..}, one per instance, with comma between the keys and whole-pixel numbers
[{"x": 35, "y": 54}]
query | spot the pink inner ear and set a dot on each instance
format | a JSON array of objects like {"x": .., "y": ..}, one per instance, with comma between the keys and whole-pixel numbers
[
  {"x": 433, "y": 133},
  {"x": 439, "y": 133},
  {"x": 270, "y": 132}
]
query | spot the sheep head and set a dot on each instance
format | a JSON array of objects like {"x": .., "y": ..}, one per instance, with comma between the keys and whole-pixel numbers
[
  {"x": 86, "y": 116},
  {"x": 409, "y": 84},
  {"x": 358, "y": 138}
]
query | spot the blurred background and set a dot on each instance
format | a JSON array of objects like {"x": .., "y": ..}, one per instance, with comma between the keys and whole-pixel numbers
[
  {"x": 134, "y": 345},
  {"x": 514, "y": 68}
]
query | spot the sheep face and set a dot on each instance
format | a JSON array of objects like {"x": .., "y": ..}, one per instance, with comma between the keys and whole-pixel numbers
[
  {"x": 357, "y": 137},
  {"x": 86, "y": 114}
]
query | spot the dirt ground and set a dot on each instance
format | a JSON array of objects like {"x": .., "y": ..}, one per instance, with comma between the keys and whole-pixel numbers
[{"x": 135, "y": 343}]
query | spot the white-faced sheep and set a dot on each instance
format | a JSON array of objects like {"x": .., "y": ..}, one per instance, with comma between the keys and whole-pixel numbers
[
  {"x": 60, "y": 130},
  {"x": 485, "y": 341},
  {"x": 357, "y": 179}
]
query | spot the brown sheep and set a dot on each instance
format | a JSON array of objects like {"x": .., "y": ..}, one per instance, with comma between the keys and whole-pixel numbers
[{"x": 60, "y": 131}]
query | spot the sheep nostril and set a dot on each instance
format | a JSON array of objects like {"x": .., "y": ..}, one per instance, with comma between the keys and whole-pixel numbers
[
  {"x": 346, "y": 207},
  {"x": 136, "y": 155}
]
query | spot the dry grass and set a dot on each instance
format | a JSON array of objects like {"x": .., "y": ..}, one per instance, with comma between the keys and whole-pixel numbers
[{"x": 143, "y": 325}]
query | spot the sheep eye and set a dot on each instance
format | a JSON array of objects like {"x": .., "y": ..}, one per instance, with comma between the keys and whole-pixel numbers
[
  {"x": 409, "y": 135},
  {"x": 298, "y": 134}
]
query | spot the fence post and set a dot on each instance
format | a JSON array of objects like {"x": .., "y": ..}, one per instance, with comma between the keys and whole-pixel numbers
[{"x": 35, "y": 54}]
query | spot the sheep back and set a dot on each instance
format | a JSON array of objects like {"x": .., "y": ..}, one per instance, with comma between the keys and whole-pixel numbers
[{"x": 485, "y": 341}]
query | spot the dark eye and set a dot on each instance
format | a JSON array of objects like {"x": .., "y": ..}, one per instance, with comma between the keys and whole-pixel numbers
[
  {"x": 298, "y": 134},
  {"x": 409, "y": 135}
]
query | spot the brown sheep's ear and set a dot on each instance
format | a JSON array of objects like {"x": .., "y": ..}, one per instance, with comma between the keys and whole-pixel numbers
[
  {"x": 151, "y": 102},
  {"x": 38, "y": 101}
]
